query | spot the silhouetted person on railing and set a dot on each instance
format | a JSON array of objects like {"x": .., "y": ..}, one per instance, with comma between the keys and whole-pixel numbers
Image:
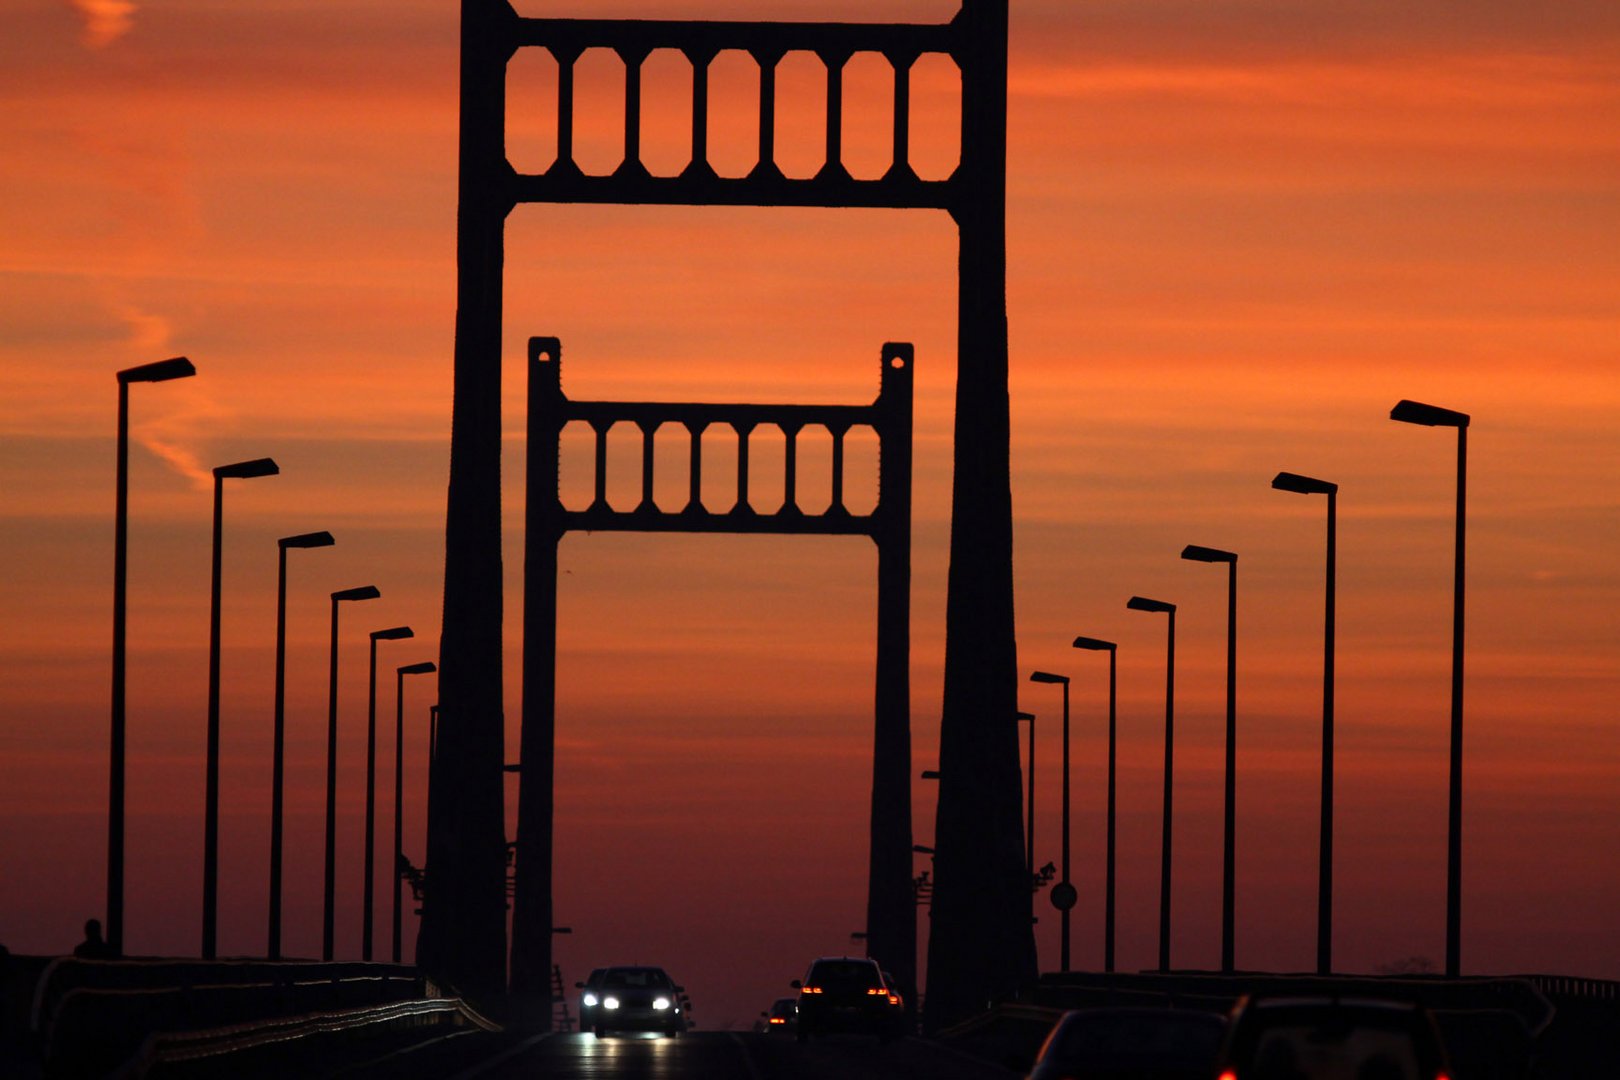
[{"x": 94, "y": 946}]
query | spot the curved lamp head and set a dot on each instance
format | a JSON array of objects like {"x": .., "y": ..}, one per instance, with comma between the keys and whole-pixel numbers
[
  {"x": 307, "y": 540},
  {"x": 1195, "y": 553},
  {"x": 1047, "y": 677},
  {"x": 393, "y": 633},
  {"x": 1017, "y": 716},
  {"x": 1094, "y": 643},
  {"x": 1303, "y": 485},
  {"x": 1415, "y": 412},
  {"x": 176, "y": 368},
  {"x": 247, "y": 470},
  {"x": 424, "y": 668},
  {"x": 362, "y": 592},
  {"x": 1142, "y": 603}
]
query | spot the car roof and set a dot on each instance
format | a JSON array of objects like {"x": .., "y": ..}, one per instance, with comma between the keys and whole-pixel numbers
[
  {"x": 1148, "y": 1012},
  {"x": 1302, "y": 1004}
]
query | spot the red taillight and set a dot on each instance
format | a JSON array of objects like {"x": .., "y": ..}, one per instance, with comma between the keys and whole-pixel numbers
[
  {"x": 812, "y": 990},
  {"x": 1442, "y": 1076},
  {"x": 778, "y": 1020},
  {"x": 894, "y": 999},
  {"x": 873, "y": 991},
  {"x": 1231, "y": 1075}
]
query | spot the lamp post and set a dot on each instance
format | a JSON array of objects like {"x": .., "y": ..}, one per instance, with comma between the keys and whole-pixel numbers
[
  {"x": 1194, "y": 553},
  {"x": 277, "y": 757},
  {"x": 433, "y": 745},
  {"x": 1142, "y": 603},
  {"x": 368, "y": 858},
  {"x": 1029, "y": 821},
  {"x": 1305, "y": 485},
  {"x": 1063, "y": 895},
  {"x": 1412, "y": 412},
  {"x": 424, "y": 668},
  {"x": 329, "y": 889},
  {"x": 241, "y": 470},
  {"x": 1098, "y": 644},
  {"x": 162, "y": 371}
]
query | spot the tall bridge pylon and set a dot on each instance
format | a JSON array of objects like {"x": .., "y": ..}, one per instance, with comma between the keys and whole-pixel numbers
[
  {"x": 981, "y": 943},
  {"x": 891, "y": 911}
]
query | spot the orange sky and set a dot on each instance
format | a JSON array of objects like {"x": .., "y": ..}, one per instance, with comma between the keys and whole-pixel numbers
[{"x": 1238, "y": 233}]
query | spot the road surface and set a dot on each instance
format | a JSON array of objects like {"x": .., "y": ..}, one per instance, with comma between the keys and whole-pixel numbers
[{"x": 701, "y": 1055}]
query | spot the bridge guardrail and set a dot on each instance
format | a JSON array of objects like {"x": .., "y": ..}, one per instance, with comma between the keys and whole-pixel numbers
[
  {"x": 64, "y": 973},
  {"x": 88, "y": 1015},
  {"x": 163, "y": 1053},
  {"x": 1569, "y": 986}
]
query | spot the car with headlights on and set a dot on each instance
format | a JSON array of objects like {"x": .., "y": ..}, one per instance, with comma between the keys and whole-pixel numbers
[
  {"x": 632, "y": 998},
  {"x": 848, "y": 994}
]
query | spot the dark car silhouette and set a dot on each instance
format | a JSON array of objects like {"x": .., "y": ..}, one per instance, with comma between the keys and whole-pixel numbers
[
  {"x": 632, "y": 999},
  {"x": 1307, "y": 1038},
  {"x": 782, "y": 1018},
  {"x": 848, "y": 994},
  {"x": 1131, "y": 1044}
]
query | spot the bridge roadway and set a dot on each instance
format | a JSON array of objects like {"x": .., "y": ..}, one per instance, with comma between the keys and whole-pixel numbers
[{"x": 697, "y": 1055}]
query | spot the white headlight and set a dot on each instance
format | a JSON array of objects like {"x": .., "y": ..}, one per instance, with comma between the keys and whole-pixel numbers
[
  {"x": 610, "y": 1002},
  {"x": 590, "y": 999},
  {"x": 661, "y": 1003}
]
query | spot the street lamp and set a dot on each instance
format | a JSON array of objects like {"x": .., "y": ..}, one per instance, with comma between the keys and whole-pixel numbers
[
  {"x": 1305, "y": 485},
  {"x": 1029, "y": 823},
  {"x": 302, "y": 540},
  {"x": 1194, "y": 553},
  {"x": 1412, "y": 412},
  {"x": 1063, "y": 894},
  {"x": 241, "y": 470},
  {"x": 329, "y": 890},
  {"x": 1098, "y": 644},
  {"x": 1142, "y": 603},
  {"x": 424, "y": 668},
  {"x": 161, "y": 371},
  {"x": 433, "y": 746},
  {"x": 368, "y": 859}
]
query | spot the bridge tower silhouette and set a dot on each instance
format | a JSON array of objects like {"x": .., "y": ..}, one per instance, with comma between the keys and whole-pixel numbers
[
  {"x": 981, "y": 943},
  {"x": 891, "y": 911}
]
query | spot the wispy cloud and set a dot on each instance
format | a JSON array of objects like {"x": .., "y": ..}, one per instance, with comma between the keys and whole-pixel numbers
[
  {"x": 1496, "y": 79},
  {"x": 105, "y": 21},
  {"x": 182, "y": 459},
  {"x": 147, "y": 332},
  {"x": 177, "y": 438}
]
